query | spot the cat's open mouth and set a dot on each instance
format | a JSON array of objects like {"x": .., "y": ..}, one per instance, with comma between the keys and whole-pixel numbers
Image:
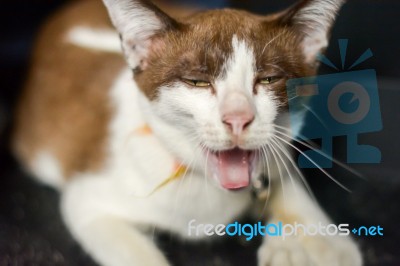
[{"x": 232, "y": 168}]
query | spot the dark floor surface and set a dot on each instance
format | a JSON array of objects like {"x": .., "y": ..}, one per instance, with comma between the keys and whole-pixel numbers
[{"x": 32, "y": 233}]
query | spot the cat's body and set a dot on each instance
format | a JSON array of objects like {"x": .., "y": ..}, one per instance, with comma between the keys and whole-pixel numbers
[{"x": 202, "y": 103}]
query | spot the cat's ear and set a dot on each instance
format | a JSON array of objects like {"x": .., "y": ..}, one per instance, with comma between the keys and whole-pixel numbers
[
  {"x": 313, "y": 20},
  {"x": 140, "y": 25}
]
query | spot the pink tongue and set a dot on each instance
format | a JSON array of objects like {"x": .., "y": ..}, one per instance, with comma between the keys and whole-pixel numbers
[{"x": 233, "y": 168}]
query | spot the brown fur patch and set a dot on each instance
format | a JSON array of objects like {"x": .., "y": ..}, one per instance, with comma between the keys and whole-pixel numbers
[{"x": 65, "y": 108}]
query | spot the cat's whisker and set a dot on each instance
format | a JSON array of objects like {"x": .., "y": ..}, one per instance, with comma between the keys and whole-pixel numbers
[
  {"x": 300, "y": 174},
  {"x": 316, "y": 116},
  {"x": 314, "y": 163},
  {"x": 273, "y": 144},
  {"x": 206, "y": 175},
  {"x": 280, "y": 174},
  {"x": 263, "y": 152},
  {"x": 263, "y": 170},
  {"x": 311, "y": 145},
  {"x": 269, "y": 172},
  {"x": 290, "y": 99},
  {"x": 191, "y": 172},
  {"x": 204, "y": 150},
  {"x": 182, "y": 179}
]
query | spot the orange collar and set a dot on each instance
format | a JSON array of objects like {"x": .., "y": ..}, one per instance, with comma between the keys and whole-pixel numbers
[{"x": 178, "y": 168}]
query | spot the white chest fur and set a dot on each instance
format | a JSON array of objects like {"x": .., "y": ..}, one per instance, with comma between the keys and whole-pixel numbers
[{"x": 138, "y": 162}]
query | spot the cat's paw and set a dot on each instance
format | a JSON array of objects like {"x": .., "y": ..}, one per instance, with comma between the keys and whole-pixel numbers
[{"x": 309, "y": 251}]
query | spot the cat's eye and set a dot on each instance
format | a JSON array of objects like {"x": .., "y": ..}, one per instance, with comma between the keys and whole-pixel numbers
[
  {"x": 269, "y": 80},
  {"x": 197, "y": 83}
]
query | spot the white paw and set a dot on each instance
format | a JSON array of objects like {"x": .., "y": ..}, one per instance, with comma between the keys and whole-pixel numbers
[{"x": 309, "y": 251}]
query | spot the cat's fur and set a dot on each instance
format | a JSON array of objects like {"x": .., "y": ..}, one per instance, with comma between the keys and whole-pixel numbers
[{"x": 107, "y": 140}]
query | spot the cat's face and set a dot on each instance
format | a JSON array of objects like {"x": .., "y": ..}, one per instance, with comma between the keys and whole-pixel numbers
[
  {"x": 218, "y": 81},
  {"x": 218, "y": 67}
]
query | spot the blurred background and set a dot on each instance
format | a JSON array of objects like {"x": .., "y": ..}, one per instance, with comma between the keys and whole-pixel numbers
[{"x": 32, "y": 233}]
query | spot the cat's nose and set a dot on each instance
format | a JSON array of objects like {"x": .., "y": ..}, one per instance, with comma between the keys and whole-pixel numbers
[{"x": 237, "y": 112}]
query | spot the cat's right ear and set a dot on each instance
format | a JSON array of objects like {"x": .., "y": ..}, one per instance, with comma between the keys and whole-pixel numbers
[
  {"x": 312, "y": 20},
  {"x": 140, "y": 25}
]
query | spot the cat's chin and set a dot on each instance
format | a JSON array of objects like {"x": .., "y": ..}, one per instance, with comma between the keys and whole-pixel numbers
[{"x": 232, "y": 169}]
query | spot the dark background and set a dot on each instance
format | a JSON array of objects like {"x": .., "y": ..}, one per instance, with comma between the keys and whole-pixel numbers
[{"x": 32, "y": 233}]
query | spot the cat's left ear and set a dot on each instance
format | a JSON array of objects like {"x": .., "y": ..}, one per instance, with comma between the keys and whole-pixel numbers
[
  {"x": 140, "y": 25},
  {"x": 312, "y": 20}
]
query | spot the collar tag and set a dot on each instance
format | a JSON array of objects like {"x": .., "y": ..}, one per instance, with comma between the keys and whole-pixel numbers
[{"x": 260, "y": 187}]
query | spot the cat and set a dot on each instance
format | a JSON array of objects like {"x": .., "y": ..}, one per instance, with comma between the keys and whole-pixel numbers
[{"x": 184, "y": 132}]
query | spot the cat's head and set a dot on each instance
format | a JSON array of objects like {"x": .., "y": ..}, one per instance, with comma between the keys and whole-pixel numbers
[{"x": 214, "y": 84}]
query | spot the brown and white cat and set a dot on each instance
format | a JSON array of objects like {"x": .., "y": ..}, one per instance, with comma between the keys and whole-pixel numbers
[{"x": 186, "y": 138}]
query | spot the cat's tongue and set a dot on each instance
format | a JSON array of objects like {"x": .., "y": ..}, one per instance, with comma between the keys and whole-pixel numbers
[{"x": 233, "y": 168}]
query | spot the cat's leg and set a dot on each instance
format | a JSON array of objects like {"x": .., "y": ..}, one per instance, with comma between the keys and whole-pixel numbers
[
  {"x": 98, "y": 224},
  {"x": 296, "y": 206}
]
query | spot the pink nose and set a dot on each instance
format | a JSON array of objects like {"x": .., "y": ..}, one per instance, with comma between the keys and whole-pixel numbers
[
  {"x": 237, "y": 124},
  {"x": 237, "y": 112}
]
